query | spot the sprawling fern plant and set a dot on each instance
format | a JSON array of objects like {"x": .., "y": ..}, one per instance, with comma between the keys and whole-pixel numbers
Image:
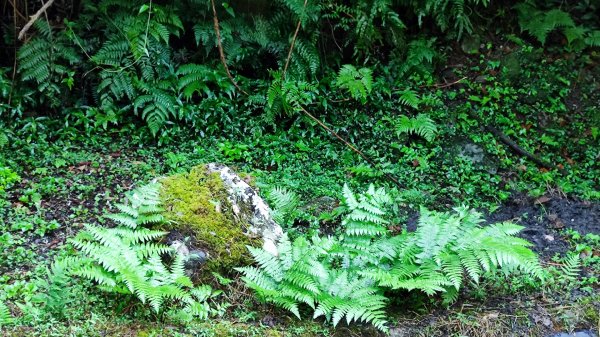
[
  {"x": 46, "y": 60},
  {"x": 284, "y": 203},
  {"x": 305, "y": 272},
  {"x": 126, "y": 259},
  {"x": 346, "y": 276},
  {"x": 541, "y": 23}
]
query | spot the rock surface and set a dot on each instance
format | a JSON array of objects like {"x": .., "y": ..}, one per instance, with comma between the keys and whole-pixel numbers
[
  {"x": 249, "y": 207},
  {"x": 586, "y": 333}
]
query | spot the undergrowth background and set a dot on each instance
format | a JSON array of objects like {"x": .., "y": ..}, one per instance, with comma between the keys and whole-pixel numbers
[{"x": 451, "y": 102}]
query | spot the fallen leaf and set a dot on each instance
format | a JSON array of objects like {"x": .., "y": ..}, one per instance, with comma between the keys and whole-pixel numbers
[{"x": 541, "y": 200}]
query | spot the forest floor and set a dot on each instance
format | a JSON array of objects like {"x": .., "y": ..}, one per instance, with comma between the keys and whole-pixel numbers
[
  {"x": 67, "y": 179},
  {"x": 77, "y": 192}
]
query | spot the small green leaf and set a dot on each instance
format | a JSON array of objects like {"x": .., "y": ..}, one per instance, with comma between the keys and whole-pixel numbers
[
  {"x": 229, "y": 9},
  {"x": 144, "y": 8}
]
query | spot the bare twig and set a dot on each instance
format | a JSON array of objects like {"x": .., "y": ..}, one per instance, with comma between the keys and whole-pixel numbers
[
  {"x": 34, "y": 18},
  {"x": 445, "y": 85},
  {"x": 16, "y": 11},
  {"x": 289, "y": 56},
  {"x": 220, "y": 47},
  {"x": 514, "y": 146}
]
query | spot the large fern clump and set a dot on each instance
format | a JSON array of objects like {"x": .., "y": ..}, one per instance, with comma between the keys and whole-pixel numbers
[
  {"x": 541, "y": 23},
  {"x": 47, "y": 60},
  {"x": 127, "y": 259},
  {"x": 305, "y": 271},
  {"x": 347, "y": 276}
]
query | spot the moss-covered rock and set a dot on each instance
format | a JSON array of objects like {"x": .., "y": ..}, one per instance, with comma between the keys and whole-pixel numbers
[{"x": 197, "y": 205}]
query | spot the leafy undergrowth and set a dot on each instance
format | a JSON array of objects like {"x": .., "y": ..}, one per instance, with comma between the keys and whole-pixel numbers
[
  {"x": 89, "y": 183},
  {"x": 54, "y": 180}
]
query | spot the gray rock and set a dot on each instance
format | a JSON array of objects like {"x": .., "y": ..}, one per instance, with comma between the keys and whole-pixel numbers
[
  {"x": 583, "y": 333},
  {"x": 401, "y": 332},
  {"x": 249, "y": 207},
  {"x": 196, "y": 258},
  {"x": 193, "y": 258},
  {"x": 472, "y": 152},
  {"x": 475, "y": 154}
]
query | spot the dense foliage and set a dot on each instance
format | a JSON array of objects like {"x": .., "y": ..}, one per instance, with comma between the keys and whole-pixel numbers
[
  {"x": 442, "y": 103},
  {"x": 347, "y": 276}
]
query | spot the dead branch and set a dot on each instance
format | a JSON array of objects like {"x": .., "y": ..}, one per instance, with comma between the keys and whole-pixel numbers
[
  {"x": 220, "y": 47},
  {"x": 34, "y": 18},
  {"x": 289, "y": 56}
]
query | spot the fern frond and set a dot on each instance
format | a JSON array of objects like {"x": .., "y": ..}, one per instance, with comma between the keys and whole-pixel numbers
[
  {"x": 358, "y": 82},
  {"x": 5, "y": 316},
  {"x": 420, "y": 125},
  {"x": 284, "y": 204}
]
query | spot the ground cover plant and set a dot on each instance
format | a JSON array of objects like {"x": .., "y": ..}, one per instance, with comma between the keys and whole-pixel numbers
[{"x": 433, "y": 164}]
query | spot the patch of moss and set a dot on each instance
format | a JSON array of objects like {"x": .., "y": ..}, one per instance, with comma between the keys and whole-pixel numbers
[{"x": 196, "y": 204}]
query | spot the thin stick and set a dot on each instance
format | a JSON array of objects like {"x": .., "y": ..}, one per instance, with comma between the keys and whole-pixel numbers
[
  {"x": 14, "y": 72},
  {"x": 445, "y": 85},
  {"x": 16, "y": 11},
  {"x": 34, "y": 18},
  {"x": 360, "y": 153},
  {"x": 220, "y": 47},
  {"x": 289, "y": 56},
  {"x": 514, "y": 146}
]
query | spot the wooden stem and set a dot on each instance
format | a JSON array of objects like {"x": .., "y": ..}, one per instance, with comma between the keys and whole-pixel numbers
[
  {"x": 34, "y": 18},
  {"x": 289, "y": 56},
  {"x": 220, "y": 47}
]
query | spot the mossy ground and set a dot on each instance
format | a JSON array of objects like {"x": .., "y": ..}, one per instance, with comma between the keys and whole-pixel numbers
[{"x": 196, "y": 204}]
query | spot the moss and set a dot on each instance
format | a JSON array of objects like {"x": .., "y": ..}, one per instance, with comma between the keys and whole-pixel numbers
[{"x": 196, "y": 204}]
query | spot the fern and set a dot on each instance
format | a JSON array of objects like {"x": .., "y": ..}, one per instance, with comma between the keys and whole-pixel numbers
[
  {"x": 444, "y": 12},
  {"x": 45, "y": 60},
  {"x": 126, "y": 259},
  {"x": 299, "y": 275},
  {"x": 571, "y": 267},
  {"x": 284, "y": 204},
  {"x": 3, "y": 138},
  {"x": 347, "y": 276},
  {"x": 540, "y": 24},
  {"x": 288, "y": 96},
  {"x": 5, "y": 317},
  {"x": 419, "y": 56},
  {"x": 410, "y": 98},
  {"x": 593, "y": 38},
  {"x": 136, "y": 63},
  {"x": 420, "y": 125},
  {"x": 358, "y": 82},
  {"x": 157, "y": 104}
]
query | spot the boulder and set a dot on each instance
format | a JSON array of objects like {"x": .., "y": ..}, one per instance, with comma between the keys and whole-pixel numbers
[
  {"x": 213, "y": 214},
  {"x": 249, "y": 207}
]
